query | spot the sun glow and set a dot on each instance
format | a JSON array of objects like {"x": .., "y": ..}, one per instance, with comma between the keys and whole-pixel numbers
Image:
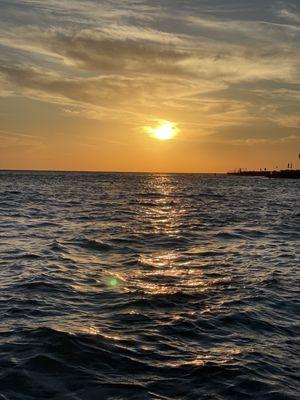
[{"x": 164, "y": 131}]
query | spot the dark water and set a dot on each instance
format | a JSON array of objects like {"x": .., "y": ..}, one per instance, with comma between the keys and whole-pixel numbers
[{"x": 119, "y": 286}]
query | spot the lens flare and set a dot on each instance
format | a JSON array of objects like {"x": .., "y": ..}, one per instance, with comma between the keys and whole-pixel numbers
[{"x": 111, "y": 282}]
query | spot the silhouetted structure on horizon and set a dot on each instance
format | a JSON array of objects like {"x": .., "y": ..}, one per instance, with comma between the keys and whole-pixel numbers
[{"x": 286, "y": 174}]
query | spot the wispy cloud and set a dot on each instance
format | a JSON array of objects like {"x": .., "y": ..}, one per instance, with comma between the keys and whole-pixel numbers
[{"x": 135, "y": 58}]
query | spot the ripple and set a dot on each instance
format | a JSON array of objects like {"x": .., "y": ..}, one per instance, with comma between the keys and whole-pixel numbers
[
  {"x": 148, "y": 287},
  {"x": 93, "y": 244}
]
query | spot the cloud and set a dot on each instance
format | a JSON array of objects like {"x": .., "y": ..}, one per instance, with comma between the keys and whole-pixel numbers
[
  {"x": 109, "y": 90},
  {"x": 289, "y": 121},
  {"x": 19, "y": 141},
  {"x": 102, "y": 55},
  {"x": 137, "y": 59},
  {"x": 290, "y": 16},
  {"x": 102, "y": 97},
  {"x": 107, "y": 55}
]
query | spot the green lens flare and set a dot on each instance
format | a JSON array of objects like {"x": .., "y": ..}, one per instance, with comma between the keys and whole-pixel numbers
[{"x": 112, "y": 282}]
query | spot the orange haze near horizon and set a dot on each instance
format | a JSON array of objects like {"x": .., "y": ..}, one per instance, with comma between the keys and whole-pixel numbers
[{"x": 133, "y": 86}]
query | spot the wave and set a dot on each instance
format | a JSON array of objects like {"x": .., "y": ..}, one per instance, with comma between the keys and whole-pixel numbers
[
  {"x": 94, "y": 244},
  {"x": 94, "y": 364},
  {"x": 148, "y": 287},
  {"x": 30, "y": 256}
]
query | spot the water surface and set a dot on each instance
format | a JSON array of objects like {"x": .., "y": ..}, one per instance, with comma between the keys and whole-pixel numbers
[{"x": 144, "y": 286}]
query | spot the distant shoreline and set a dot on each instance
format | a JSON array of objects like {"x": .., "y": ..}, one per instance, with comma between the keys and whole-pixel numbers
[{"x": 282, "y": 174}]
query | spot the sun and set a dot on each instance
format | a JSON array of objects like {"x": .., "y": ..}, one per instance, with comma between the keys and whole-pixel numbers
[{"x": 164, "y": 131}]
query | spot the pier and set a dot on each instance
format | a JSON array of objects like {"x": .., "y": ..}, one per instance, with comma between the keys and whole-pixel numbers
[{"x": 282, "y": 174}]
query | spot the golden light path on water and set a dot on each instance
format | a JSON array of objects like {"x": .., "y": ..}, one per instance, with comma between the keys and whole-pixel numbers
[{"x": 163, "y": 272}]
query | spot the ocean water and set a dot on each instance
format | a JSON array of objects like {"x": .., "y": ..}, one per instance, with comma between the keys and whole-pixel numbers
[{"x": 148, "y": 286}]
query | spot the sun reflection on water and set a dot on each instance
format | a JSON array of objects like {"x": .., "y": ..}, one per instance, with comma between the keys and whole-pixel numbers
[
  {"x": 167, "y": 267},
  {"x": 164, "y": 215}
]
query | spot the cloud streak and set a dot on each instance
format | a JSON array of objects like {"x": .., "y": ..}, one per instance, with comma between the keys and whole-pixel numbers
[{"x": 119, "y": 57}]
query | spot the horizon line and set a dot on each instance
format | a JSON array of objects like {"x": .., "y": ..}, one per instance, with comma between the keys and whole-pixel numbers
[{"x": 109, "y": 172}]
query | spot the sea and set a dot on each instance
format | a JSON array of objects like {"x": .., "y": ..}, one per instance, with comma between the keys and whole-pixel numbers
[{"x": 148, "y": 286}]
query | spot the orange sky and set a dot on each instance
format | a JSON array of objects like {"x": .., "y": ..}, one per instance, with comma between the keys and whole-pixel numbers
[{"x": 80, "y": 81}]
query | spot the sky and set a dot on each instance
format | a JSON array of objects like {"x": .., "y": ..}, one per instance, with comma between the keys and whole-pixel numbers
[{"x": 84, "y": 82}]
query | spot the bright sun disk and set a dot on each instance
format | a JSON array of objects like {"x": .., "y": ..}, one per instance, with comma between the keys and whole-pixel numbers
[{"x": 165, "y": 131}]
